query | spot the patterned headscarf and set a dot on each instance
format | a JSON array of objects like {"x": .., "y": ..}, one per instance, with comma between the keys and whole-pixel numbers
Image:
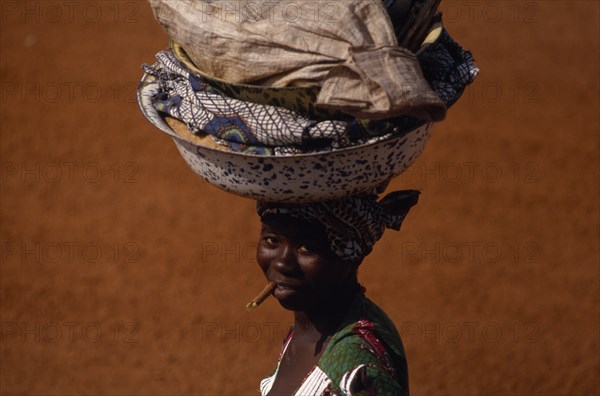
[{"x": 352, "y": 224}]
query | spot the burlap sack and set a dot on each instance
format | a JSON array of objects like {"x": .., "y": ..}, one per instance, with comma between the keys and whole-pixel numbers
[{"x": 346, "y": 47}]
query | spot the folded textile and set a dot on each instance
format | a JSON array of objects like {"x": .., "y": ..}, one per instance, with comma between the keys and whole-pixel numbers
[
  {"x": 348, "y": 47},
  {"x": 448, "y": 68},
  {"x": 251, "y": 127},
  {"x": 273, "y": 130}
]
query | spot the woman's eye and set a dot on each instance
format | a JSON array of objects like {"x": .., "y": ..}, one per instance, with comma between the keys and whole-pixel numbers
[
  {"x": 270, "y": 241},
  {"x": 305, "y": 249}
]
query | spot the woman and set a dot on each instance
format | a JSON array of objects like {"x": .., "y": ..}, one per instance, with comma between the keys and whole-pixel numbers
[{"x": 341, "y": 343}]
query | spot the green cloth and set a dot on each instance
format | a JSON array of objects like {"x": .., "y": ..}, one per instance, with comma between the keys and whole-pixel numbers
[
  {"x": 364, "y": 357},
  {"x": 356, "y": 343}
]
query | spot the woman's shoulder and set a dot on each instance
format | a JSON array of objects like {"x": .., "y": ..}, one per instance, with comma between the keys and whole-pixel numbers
[
  {"x": 366, "y": 321},
  {"x": 366, "y": 353}
]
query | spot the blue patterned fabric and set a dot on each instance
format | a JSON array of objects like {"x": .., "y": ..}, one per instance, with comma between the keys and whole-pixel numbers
[
  {"x": 448, "y": 68},
  {"x": 256, "y": 128}
]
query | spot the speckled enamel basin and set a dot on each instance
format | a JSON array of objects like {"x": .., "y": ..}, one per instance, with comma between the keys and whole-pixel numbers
[{"x": 294, "y": 178}]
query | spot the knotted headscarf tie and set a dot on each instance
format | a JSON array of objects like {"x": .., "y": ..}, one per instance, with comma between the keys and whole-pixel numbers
[{"x": 352, "y": 224}]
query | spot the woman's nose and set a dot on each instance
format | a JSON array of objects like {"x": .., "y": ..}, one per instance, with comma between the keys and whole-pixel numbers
[{"x": 285, "y": 259}]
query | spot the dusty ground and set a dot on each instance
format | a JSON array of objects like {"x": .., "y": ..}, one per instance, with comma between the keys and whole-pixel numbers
[{"x": 122, "y": 273}]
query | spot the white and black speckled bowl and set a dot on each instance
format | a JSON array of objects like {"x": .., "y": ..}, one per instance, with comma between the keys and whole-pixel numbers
[{"x": 294, "y": 178}]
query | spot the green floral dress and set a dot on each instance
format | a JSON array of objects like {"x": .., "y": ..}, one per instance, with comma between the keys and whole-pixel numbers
[{"x": 364, "y": 357}]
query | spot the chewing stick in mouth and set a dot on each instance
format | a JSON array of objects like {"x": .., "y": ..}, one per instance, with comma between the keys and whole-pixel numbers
[{"x": 264, "y": 294}]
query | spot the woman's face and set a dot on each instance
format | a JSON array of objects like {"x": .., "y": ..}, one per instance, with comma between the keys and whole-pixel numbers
[{"x": 295, "y": 254}]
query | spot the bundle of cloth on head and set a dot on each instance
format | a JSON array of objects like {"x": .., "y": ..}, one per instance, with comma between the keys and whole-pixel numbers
[
  {"x": 347, "y": 45},
  {"x": 352, "y": 224},
  {"x": 376, "y": 88}
]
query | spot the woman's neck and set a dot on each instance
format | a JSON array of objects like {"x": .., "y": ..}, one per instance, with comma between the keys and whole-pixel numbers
[{"x": 322, "y": 321}]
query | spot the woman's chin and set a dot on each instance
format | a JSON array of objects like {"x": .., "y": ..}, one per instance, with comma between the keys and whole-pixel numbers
[
  {"x": 290, "y": 299},
  {"x": 290, "y": 305}
]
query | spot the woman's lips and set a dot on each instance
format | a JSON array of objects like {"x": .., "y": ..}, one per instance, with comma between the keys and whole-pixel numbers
[{"x": 284, "y": 289}]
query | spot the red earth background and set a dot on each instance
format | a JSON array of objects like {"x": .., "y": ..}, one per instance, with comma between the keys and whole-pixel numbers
[{"x": 123, "y": 273}]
